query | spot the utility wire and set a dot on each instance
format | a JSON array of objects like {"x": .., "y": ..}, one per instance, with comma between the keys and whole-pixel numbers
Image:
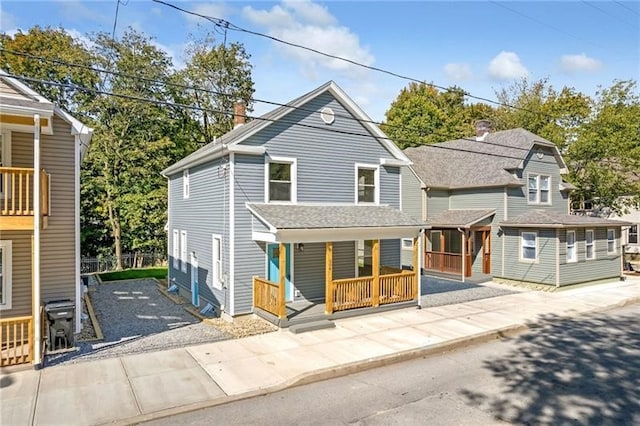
[
  {"x": 621, "y": 4},
  {"x": 593, "y": 6},
  {"x": 229, "y": 25},
  {"x": 266, "y": 119}
]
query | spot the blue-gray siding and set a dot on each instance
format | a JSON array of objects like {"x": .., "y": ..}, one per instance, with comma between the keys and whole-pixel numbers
[
  {"x": 411, "y": 205},
  {"x": 437, "y": 201},
  {"x": 541, "y": 271},
  {"x": 604, "y": 265}
]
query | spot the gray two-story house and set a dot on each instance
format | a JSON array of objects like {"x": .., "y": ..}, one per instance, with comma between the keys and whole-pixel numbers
[
  {"x": 298, "y": 208},
  {"x": 497, "y": 206}
]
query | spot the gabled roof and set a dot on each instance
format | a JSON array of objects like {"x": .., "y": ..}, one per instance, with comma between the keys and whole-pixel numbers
[
  {"x": 333, "y": 222},
  {"x": 459, "y": 218},
  {"x": 538, "y": 218},
  {"x": 467, "y": 163},
  {"x": 229, "y": 141}
]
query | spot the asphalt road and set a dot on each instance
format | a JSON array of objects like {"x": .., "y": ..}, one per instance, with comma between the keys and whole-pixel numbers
[{"x": 580, "y": 371}]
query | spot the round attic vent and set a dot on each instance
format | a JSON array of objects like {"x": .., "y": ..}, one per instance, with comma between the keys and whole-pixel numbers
[{"x": 327, "y": 115}]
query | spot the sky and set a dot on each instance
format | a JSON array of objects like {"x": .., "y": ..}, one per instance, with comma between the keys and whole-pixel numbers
[{"x": 480, "y": 46}]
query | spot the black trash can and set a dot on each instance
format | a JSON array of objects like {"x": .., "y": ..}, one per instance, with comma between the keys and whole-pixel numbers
[{"x": 60, "y": 315}]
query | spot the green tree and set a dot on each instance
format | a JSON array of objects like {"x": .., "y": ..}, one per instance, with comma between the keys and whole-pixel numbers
[
  {"x": 604, "y": 161},
  {"x": 53, "y": 44},
  {"x": 220, "y": 75},
  {"x": 422, "y": 114}
]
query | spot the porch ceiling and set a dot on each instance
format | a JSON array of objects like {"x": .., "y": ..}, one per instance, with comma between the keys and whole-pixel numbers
[
  {"x": 459, "y": 218},
  {"x": 331, "y": 222}
]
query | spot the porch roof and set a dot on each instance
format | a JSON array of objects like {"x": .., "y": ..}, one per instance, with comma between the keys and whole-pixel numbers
[
  {"x": 538, "y": 218},
  {"x": 459, "y": 218},
  {"x": 330, "y": 222}
]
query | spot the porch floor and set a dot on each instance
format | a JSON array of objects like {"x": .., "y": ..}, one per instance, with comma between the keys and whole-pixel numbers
[{"x": 473, "y": 279}]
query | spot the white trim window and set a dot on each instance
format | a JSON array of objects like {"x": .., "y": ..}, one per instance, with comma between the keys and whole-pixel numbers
[
  {"x": 5, "y": 158},
  {"x": 176, "y": 249},
  {"x": 364, "y": 258},
  {"x": 539, "y": 189},
  {"x": 589, "y": 245},
  {"x": 633, "y": 234},
  {"x": 281, "y": 180},
  {"x": 529, "y": 246},
  {"x": 572, "y": 253},
  {"x": 407, "y": 244},
  {"x": 216, "y": 262},
  {"x": 367, "y": 184},
  {"x": 5, "y": 274},
  {"x": 183, "y": 250},
  {"x": 186, "y": 183},
  {"x": 611, "y": 241}
]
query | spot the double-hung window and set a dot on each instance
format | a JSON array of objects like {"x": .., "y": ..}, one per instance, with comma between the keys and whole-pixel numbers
[
  {"x": 528, "y": 246},
  {"x": 572, "y": 255},
  {"x": 5, "y": 274},
  {"x": 633, "y": 234},
  {"x": 5, "y": 160},
  {"x": 589, "y": 243},
  {"x": 611, "y": 241},
  {"x": 367, "y": 183},
  {"x": 216, "y": 273},
  {"x": 186, "y": 184},
  {"x": 176, "y": 249},
  {"x": 281, "y": 180},
  {"x": 539, "y": 189},
  {"x": 183, "y": 250}
]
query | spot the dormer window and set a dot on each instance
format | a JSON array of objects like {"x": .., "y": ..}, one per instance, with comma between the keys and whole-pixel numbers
[
  {"x": 367, "y": 184},
  {"x": 539, "y": 189},
  {"x": 281, "y": 180}
]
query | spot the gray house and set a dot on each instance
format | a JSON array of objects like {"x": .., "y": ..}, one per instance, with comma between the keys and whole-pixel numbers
[
  {"x": 497, "y": 206},
  {"x": 296, "y": 211}
]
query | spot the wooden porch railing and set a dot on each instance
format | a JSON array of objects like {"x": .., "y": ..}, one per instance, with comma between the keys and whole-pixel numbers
[
  {"x": 16, "y": 340},
  {"x": 16, "y": 192},
  {"x": 351, "y": 293},
  {"x": 447, "y": 262},
  {"x": 265, "y": 296},
  {"x": 398, "y": 287}
]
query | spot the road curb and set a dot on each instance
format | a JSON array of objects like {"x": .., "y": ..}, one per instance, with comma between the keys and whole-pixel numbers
[{"x": 359, "y": 366}]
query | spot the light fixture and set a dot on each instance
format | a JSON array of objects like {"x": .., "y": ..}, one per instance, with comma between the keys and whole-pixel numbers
[{"x": 300, "y": 246}]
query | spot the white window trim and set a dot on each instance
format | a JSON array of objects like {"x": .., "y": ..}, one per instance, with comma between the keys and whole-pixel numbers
[
  {"x": 539, "y": 190},
  {"x": 593, "y": 244},
  {"x": 216, "y": 264},
  {"x": 6, "y": 273},
  {"x": 294, "y": 178},
  {"x": 615, "y": 248},
  {"x": 183, "y": 250},
  {"x": 6, "y": 155},
  {"x": 186, "y": 183},
  {"x": 410, "y": 240},
  {"x": 376, "y": 177},
  {"x": 575, "y": 247},
  {"x": 525, "y": 260},
  {"x": 176, "y": 249}
]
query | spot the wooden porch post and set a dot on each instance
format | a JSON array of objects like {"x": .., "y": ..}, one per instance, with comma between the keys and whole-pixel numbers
[
  {"x": 282, "y": 260},
  {"x": 375, "y": 291},
  {"x": 442, "y": 246},
  {"x": 328, "y": 274},
  {"x": 463, "y": 236},
  {"x": 416, "y": 264}
]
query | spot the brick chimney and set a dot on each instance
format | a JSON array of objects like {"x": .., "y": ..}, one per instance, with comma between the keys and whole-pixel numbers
[
  {"x": 483, "y": 127},
  {"x": 239, "y": 113}
]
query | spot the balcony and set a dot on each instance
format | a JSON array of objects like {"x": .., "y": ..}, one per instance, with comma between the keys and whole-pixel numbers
[{"x": 17, "y": 198}]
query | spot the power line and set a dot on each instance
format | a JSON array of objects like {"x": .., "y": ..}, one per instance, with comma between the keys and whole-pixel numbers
[
  {"x": 621, "y": 4},
  {"x": 280, "y": 120},
  {"x": 593, "y": 6},
  {"x": 229, "y": 25}
]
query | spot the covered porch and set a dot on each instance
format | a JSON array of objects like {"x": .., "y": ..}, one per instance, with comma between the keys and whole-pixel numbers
[
  {"x": 455, "y": 240},
  {"x": 372, "y": 286}
]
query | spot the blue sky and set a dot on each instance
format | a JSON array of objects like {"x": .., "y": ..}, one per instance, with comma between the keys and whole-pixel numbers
[{"x": 480, "y": 46}]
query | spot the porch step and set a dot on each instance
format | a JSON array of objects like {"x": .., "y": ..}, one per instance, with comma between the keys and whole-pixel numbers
[{"x": 311, "y": 326}]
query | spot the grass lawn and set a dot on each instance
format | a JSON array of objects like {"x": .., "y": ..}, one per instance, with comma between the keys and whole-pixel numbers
[{"x": 129, "y": 274}]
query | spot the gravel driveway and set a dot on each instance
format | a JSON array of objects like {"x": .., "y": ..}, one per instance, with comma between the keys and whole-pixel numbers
[
  {"x": 135, "y": 317},
  {"x": 441, "y": 291}
]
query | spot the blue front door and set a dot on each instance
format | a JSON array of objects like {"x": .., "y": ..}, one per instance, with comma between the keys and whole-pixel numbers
[{"x": 273, "y": 267}]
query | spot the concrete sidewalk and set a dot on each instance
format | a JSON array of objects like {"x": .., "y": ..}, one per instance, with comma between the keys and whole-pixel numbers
[{"x": 140, "y": 387}]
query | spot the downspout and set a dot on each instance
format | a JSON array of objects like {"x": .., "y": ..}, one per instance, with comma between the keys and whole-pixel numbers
[
  {"x": 419, "y": 265},
  {"x": 37, "y": 320},
  {"x": 462, "y": 235}
]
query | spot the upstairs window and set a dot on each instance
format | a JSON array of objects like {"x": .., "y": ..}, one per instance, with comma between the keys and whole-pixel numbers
[
  {"x": 589, "y": 243},
  {"x": 185, "y": 183},
  {"x": 5, "y": 160},
  {"x": 611, "y": 241},
  {"x": 281, "y": 180},
  {"x": 539, "y": 189},
  {"x": 572, "y": 255},
  {"x": 367, "y": 184},
  {"x": 633, "y": 234}
]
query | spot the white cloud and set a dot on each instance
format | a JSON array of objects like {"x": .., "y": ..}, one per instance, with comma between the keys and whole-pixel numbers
[
  {"x": 77, "y": 11},
  {"x": 576, "y": 63},
  {"x": 507, "y": 66},
  {"x": 312, "y": 25},
  {"x": 79, "y": 37},
  {"x": 458, "y": 72}
]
